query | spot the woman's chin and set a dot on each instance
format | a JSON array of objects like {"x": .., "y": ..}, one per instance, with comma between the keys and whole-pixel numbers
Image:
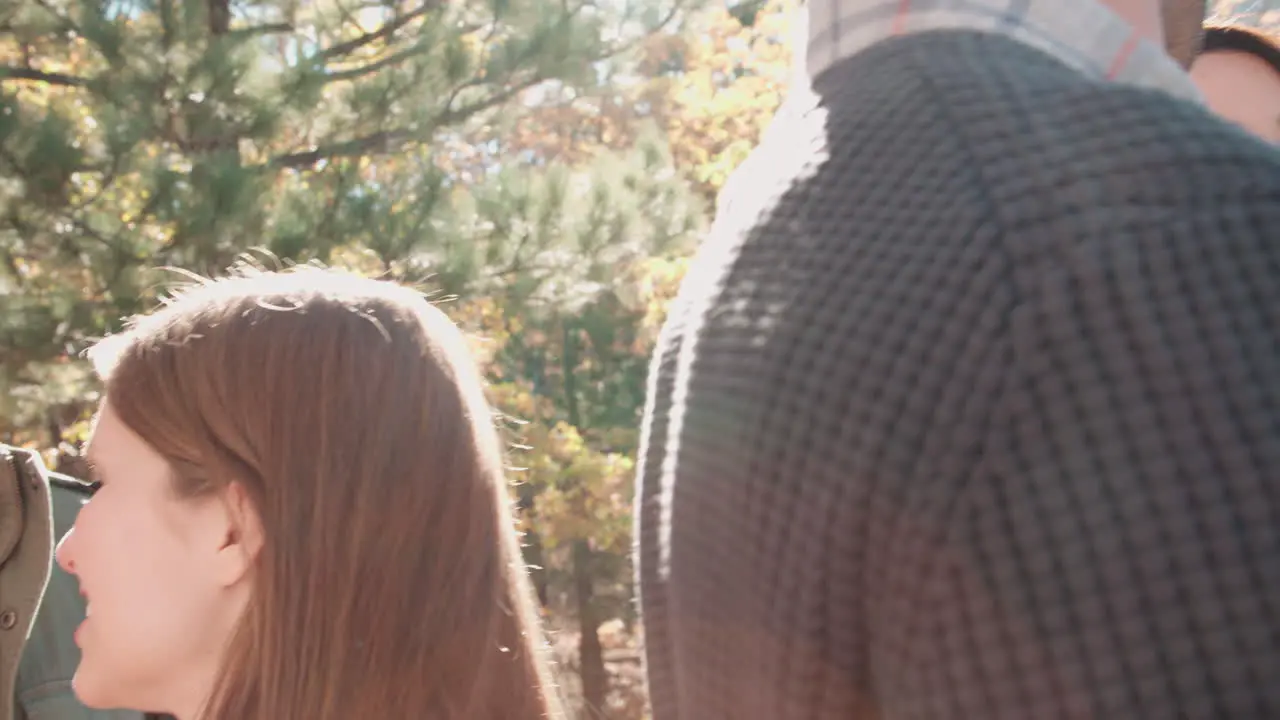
[
  {"x": 90, "y": 691},
  {"x": 103, "y": 688}
]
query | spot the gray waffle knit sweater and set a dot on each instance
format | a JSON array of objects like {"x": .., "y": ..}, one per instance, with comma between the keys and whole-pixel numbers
[{"x": 970, "y": 409}]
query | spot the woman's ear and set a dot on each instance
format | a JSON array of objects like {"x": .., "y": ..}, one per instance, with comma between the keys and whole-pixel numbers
[{"x": 242, "y": 540}]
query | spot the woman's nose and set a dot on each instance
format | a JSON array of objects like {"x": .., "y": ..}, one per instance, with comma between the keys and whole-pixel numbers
[{"x": 63, "y": 554}]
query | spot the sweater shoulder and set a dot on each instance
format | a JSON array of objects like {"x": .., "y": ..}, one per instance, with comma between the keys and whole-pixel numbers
[{"x": 1061, "y": 159}]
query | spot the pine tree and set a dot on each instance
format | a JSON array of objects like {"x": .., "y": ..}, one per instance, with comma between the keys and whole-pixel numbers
[
  {"x": 576, "y": 267},
  {"x": 143, "y": 133},
  {"x": 374, "y": 136}
]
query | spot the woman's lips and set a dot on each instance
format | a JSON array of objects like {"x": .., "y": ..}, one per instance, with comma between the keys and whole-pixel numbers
[{"x": 87, "y": 611}]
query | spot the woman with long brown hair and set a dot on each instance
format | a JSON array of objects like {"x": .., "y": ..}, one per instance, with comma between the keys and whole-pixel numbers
[{"x": 301, "y": 514}]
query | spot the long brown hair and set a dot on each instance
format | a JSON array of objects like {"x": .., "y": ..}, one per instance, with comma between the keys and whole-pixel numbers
[{"x": 390, "y": 584}]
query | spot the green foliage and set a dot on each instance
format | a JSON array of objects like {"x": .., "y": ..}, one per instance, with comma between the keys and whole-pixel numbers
[
  {"x": 528, "y": 162},
  {"x": 580, "y": 265},
  {"x": 156, "y": 132},
  {"x": 746, "y": 11}
]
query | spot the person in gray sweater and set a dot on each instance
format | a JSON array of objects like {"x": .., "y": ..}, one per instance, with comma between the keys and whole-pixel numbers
[{"x": 969, "y": 407}]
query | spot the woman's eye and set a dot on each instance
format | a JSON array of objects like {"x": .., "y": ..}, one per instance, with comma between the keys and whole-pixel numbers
[{"x": 92, "y": 480}]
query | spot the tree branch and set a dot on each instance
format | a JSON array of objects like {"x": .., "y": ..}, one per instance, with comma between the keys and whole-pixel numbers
[
  {"x": 384, "y": 141},
  {"x": 377, "y": 143},
  {"x": 373, "y": 67},
  {"x": 622, "y": 47},
  {"x": 451, "y": 116},
  {"x": 269, "y": 29},
  {"x": 345, "y": 48},
  {"x": 51, "y": 78}
]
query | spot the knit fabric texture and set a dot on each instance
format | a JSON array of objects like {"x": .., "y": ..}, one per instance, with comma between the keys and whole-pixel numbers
[{"x": 969, "y": 408}]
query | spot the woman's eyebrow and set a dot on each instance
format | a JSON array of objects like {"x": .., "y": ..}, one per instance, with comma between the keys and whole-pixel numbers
[{"x": 91, "y": 457}]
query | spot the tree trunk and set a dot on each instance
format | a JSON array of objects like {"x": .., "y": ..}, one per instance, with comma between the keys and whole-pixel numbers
[
  {"x": 595, "y": 681},
  {"x": 534, "y": 556},
  {"x": 537, "y": 567},
  {"x": 219, "y": 16}
]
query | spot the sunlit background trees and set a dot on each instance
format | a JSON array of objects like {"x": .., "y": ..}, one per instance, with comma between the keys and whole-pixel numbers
[{"x": 543, "y": 168}]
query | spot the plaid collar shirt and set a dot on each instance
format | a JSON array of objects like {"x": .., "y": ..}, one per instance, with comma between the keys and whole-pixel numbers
[{"x": 1081, "y": 33}]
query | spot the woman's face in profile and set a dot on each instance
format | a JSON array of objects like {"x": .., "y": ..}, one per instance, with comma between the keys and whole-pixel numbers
[{"x": 159, "y": 576}]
